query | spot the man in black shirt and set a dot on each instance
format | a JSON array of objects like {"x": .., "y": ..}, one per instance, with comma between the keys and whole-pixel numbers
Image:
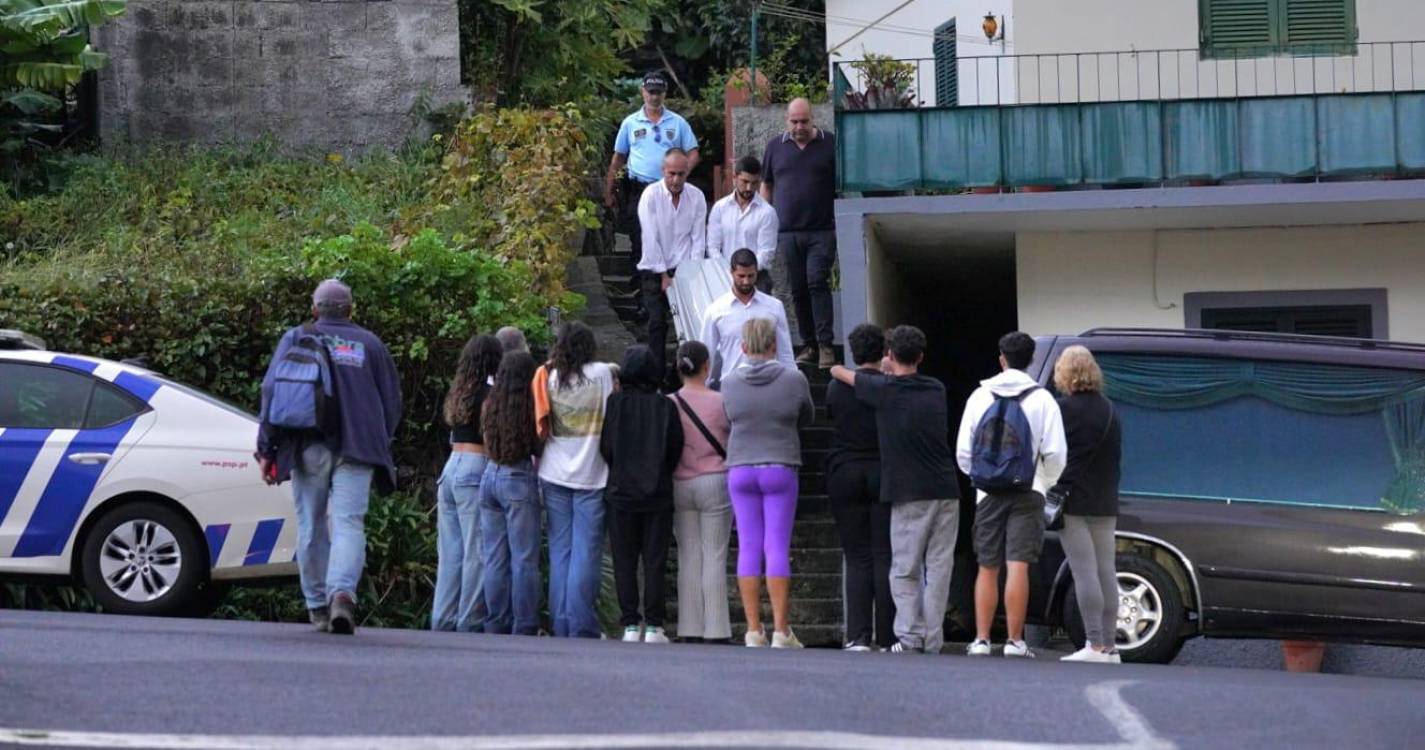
[
  {"x": 853, "y": 472},
  {"x": 799, "y": 180},
  {"x": 918, "y": 479}
]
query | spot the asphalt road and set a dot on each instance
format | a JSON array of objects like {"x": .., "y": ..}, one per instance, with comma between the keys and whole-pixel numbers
[{"x": 76, "y": 680}]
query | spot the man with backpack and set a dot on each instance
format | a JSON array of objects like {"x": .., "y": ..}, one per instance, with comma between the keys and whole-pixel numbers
[
  {"x": 1012, "y": 445},
  {"x": 331, "y": 401}
]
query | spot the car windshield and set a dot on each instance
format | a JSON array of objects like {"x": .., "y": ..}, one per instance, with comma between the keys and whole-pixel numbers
[{"x": 205, "y": 396}]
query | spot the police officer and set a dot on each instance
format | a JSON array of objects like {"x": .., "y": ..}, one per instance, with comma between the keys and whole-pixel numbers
[{"x": 643, "y": 138}]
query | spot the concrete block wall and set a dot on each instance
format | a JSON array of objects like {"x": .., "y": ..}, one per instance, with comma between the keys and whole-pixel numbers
[
  {"x": 335, "y": 74},
  {"x": 753, "y": 126}
]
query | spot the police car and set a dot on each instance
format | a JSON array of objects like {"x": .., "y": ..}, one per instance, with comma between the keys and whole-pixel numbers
[{"x": 140, "y": 488}]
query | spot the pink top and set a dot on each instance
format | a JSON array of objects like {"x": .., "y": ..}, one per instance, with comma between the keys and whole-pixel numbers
[{"x": 698, "y": 455}]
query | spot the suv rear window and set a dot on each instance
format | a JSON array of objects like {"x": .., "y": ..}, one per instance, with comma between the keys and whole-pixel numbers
[{"x": 1270, "y": 431}]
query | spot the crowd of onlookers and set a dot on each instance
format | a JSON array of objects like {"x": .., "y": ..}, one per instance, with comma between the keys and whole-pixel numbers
[{"x": 566, "y": 452}]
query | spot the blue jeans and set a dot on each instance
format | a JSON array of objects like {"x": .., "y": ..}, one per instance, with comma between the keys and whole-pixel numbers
[
  {"x": 509, "y": 530},
  {"x": 331, "y": 495},
  {"x": 459, "y": 600},
  {"x": 576, "y": 546}
]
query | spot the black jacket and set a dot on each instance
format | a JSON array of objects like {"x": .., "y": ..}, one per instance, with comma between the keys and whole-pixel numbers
[
  {"x": 642, "y": 438},
  {"x": 1091, "y": 476}
]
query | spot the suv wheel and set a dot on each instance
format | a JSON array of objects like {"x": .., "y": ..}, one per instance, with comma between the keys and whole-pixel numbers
[
  {"x": 142, "y": 558},
  {"x": 1150, "y": 612}
]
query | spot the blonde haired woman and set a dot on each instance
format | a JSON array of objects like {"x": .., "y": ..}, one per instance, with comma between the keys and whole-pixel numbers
[
  {"x": 1089, "y": 486},
  {"x": 766, "y": 403}
]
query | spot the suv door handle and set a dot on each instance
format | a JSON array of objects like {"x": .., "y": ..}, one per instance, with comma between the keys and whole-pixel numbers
[{"x": 89, "y": 458}]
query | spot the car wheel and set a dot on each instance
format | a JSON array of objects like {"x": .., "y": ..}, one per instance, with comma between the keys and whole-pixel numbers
[
  {"x": 1150, "y": 611},
  {"x": 142, "y": 558}
]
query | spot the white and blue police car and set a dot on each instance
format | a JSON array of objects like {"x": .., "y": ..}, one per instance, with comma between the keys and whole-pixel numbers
[{"x": 140, "y": 488}]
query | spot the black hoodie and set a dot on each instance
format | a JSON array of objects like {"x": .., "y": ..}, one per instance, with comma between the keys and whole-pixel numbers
[{"x": 642, "y": 438}]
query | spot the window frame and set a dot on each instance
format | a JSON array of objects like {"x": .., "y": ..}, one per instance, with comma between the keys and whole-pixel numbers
[
  {"x": 1377, "y": 299},
  {"x": 95, "y": 383},
  {"x": 1279, "y": 45}
]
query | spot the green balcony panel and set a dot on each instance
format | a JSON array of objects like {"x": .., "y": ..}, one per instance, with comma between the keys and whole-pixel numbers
[
  {"x": 1357, "y": 134},
  {"x": 961, "y": 147},
  {"x": 1041, "y": 145},
  {"x": 1201, "y": 140},
  {"x": 1278, "y": 137},
  {"x": 880, "y": 150},
  {"x": 1410, "y": 131},
  {"x": 1122, "y": 142}
]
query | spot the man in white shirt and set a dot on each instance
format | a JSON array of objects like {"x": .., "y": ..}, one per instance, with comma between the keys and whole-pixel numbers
[
  {"x": 723, "y": 319},
  {"x": 673, "y": 219},
  {"x": 745, "y": 219}
]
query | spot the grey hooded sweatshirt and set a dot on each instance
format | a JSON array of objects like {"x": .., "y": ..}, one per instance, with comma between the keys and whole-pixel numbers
[{"x": 766, "y": 403}]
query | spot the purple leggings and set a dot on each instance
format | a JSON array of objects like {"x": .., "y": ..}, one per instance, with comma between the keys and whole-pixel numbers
[{"x": 764, "y": 502}]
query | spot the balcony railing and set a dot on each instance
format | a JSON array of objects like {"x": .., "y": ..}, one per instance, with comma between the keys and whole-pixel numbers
[
  {"x": 1138, "y": 117},
  {"x": 1141, "y": 75}
]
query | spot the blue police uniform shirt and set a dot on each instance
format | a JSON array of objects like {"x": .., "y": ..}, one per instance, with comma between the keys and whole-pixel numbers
[{"x": 645, "y": 143}]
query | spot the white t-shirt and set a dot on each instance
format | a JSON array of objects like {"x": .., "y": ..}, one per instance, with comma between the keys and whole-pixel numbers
[{"x": 576, "y": 420}]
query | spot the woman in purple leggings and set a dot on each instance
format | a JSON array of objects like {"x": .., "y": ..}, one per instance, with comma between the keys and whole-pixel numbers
[{"x": 766, "y": 403}]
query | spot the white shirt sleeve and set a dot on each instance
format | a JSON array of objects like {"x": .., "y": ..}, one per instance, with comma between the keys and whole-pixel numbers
[
  {"x": 767, "y": 239},
  {"x": 1053, "y": 446},
  {"x": 784, "y": 337},
  {"x": 964, "y": 444},
  {"x": 700, "y": 226},
  {"x": 715, "y": 248},
  {"x": 655, "y": 256}
]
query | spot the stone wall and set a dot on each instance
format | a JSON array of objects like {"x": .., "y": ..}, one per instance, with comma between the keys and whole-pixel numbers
[
  {"x": 753, "y": 126},
  {"x": 335, "y": 74}
]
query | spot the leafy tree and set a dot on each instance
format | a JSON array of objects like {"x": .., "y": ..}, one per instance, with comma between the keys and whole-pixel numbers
[
  {"x": 550, "y": 51},
  {"x": 44, "y": 51}
]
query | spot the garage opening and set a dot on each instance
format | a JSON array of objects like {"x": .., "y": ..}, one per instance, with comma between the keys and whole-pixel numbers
[{"x": 960, "y": 288}]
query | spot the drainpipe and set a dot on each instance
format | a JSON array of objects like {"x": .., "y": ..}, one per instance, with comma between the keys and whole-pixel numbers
[{"x": 752, "y": 66}]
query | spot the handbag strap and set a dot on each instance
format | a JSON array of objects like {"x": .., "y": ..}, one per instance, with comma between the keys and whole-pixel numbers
[{"x": 698, "y": 423}]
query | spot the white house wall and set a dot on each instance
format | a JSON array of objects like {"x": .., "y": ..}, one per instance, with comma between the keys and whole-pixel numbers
[
  {"x": 907, "y": 35},
  {"x": 1080, "y": 41},
  {"x": 1072, "y": 281}
]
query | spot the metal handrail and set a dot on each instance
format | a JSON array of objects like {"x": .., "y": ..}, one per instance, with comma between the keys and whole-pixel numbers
[{"x": 1167, "y": 74}]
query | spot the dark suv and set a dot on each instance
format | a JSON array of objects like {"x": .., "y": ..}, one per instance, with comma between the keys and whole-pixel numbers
[{"x": 1273, "y": 487}]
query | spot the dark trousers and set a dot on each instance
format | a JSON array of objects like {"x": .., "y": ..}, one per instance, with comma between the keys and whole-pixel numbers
[
  {"x": 630, "y": 191},
  {"x": 764, "y": 281},
  {"x": 641, "y": 535},
  {"x": 864, "y": 524},
  {"x": 809, "y": 257},
  {"x": 655, "y": 304}
]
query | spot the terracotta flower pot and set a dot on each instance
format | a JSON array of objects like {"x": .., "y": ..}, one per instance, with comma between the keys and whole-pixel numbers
[{"x": 1303, "y": 656}]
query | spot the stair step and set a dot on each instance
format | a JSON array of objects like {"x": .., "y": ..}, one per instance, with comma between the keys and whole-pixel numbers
[
  {"x": 804, "y": 586},
  {"x": 618, "y": 264},
  {"x": 819, "y": 611}
]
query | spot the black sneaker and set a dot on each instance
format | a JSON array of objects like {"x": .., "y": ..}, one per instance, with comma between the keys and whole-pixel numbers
[
  {"x": 343, "y": 614},
  {"x": 858, "y": 645},
  {"x": 321, "y": 619},
  {"x": 899, "y": 647}
]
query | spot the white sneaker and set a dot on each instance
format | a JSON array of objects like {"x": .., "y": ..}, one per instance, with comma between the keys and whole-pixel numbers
[
  {"x": 785, "y": 641},
  {"x": 979, "y": 648},
  {"x": 1114, "y": 657},
  {"x": 755, "y": 639},
  {"x": 632, "y": 634},
  {"x": 655, "y": 635},
  {"x": 1017, "y": 650},
  {"x": 1089, "y": 655}
]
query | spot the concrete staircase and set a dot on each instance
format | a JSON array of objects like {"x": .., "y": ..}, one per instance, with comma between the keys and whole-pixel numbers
[{"x": 816, "y": 614}]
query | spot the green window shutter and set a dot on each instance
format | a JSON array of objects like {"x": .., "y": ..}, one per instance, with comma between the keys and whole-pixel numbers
[
  {"x": 947, "y": 66},
  {"x": 1233, "y": 28},
  {"x": 1319, "y": 22}
]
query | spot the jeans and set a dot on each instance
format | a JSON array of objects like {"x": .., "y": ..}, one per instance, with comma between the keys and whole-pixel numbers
[
  {"x": 331, "y": 495},
  {"x": 459, "y": 598},
  {"x": 576, "y": 554},
  {"x": 509, "y": 531},
  {"x": 809, "y": 257}
]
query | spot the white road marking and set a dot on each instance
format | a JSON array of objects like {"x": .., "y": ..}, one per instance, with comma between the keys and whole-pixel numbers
[{"x": 1130, "y": 725}]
